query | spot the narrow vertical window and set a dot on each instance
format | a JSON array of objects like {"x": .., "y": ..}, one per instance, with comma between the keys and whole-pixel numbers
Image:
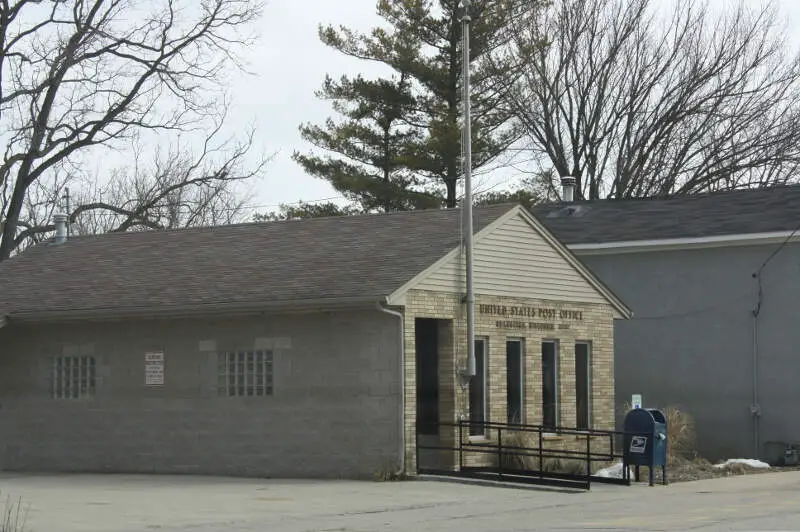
[
  {"x": 550, "y": 384},
  {"x": 477, "y": 391},
  {"x": 583, "y": 377},
  {"x": 515, "y": 381}
]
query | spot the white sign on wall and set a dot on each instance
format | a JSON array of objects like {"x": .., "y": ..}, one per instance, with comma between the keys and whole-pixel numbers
[
  {"x": 636, "y": 401},
  {"x": 154, "y": 369}
]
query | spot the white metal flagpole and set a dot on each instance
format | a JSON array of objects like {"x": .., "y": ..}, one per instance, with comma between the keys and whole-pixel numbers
[{"x": 467, "y": 205}]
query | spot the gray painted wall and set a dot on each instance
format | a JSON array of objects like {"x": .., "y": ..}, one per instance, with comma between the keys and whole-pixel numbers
[
  {"x": 335, "y": 412},
  {"x": 691, "y": 340}
]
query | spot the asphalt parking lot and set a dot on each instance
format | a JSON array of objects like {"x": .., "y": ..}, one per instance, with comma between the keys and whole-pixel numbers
[{"x": 85, "y": 503}]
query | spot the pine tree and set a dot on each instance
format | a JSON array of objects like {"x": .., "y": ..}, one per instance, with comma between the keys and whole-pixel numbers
[
  {"x": 399, "y": 146},
  {"x": 303, "y": 210},
  {"x": 371, "y": 141}
]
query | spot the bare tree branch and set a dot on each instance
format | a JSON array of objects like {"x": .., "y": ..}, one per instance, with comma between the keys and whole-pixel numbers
[
  {"x": 634, "y": 105},
  {"x": 95, "y": 73},
  {"x": 176, "y": 188}
]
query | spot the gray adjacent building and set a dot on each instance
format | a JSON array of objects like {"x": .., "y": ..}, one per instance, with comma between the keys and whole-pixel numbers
[
  {"x": 713, "y": 281},
  {"x": 294, "y": 349}
]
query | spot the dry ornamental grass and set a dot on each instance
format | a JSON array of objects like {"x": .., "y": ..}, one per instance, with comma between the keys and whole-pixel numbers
[
  {"x": 683, "y": 461},
  {"x": 12, "y": 515},
  {"x": 681, "y": 436}
]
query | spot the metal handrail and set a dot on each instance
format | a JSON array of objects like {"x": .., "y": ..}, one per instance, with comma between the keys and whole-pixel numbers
[{"x": 499, "y": 446}]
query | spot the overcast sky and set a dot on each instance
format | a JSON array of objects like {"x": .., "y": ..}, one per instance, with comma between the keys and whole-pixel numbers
[{"x": 289, "y": 64}]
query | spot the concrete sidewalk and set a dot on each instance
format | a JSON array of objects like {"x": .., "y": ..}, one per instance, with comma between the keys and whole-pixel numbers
[{"x": 85, "y": 503}]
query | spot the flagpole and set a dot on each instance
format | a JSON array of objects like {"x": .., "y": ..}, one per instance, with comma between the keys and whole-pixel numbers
[{"x": 466, "y": 19}]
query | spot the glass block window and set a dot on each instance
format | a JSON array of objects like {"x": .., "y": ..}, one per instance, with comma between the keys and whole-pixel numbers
[
  {"x": 74, "y": 377},
  {"x": 245, "y": 373}
]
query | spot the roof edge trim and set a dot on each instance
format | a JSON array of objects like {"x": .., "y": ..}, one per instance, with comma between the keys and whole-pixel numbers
[
  {"x": 188, "y": 311},
  {"x": 663, "y": 244}
]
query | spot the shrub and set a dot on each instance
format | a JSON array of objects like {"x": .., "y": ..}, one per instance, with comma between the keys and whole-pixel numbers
[{"x": 385, "y": 474}]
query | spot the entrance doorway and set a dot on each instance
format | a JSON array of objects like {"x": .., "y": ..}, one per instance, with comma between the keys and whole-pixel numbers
[
  {"x": 434, "y": 358},
  {"x": 427, "y": 361}
]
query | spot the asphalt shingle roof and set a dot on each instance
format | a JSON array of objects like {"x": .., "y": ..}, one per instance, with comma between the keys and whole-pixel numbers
[
  {"x": 324, "y": 258},
  {"x": 712, "y": 214}
]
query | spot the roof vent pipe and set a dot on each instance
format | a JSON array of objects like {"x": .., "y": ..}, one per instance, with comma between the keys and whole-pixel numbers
[
  {"x": 60, "y": 220},
  {"x": 568, "y": 189}
]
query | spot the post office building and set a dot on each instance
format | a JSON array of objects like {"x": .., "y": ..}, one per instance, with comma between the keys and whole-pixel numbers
[{"x": 312, "y": 348}]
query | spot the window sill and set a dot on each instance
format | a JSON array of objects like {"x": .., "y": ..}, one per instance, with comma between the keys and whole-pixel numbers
[{"x": 552, "y": 436}]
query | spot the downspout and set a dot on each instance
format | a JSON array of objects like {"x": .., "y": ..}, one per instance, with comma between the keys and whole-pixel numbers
[{"x": 401, "y": 433}]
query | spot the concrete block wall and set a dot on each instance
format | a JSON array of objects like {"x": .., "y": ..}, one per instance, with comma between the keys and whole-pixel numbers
[
  {"x": 596, "y": 327},
  {"x": 334, "y": 413},
  {"x": 690, "y": 343}
]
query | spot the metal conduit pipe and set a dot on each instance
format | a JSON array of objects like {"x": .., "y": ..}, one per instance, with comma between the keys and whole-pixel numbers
[{"x": 755, "y": 408}]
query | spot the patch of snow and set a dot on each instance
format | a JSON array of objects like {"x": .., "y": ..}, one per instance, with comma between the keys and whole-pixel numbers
[
  {"x": 757, "y": 464},
  {"x": 614, "y": 471}
]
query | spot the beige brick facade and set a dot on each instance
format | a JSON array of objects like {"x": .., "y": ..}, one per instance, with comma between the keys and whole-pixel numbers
[{"x": 497, "y": 326}]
